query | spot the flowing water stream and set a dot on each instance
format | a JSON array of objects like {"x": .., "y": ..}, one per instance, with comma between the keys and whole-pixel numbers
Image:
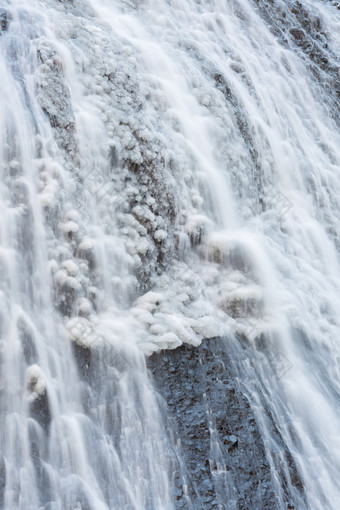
[{"x": 170, "y": 173}]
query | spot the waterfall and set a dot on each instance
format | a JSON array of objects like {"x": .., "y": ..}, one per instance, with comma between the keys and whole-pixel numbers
[{"x": 170, "y": 177}]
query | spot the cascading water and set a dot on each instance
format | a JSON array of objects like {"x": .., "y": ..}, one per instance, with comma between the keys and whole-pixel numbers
[{"x": 170, "y": 174}]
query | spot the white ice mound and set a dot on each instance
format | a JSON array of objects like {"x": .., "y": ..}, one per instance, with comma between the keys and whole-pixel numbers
[
  {"x": 81, "y": 331},
  {"x": 177, "y": 313},
  {"x": 70, "y": 267},
  {"x": 70, "y": 227},
  {"x": 35, "y": 382}
]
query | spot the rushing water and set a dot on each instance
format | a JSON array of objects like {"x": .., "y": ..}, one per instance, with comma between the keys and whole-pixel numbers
[{"x": 170, "y": 172}]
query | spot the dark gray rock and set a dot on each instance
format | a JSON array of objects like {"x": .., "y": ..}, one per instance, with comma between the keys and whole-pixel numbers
[
  {"x": 40, "y": 411},
  {"x": 27, "y": 341},
  {"x": 222, "y": 449},
  {"x": 5, "y": 18}
]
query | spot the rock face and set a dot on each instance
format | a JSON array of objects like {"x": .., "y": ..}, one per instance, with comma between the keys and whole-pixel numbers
[
  {"x": 5, "y": 18},
  {"x": 300, "y": 28},
  {"x": 54, "y": 96},
  {"x": 219, "y": 438}
]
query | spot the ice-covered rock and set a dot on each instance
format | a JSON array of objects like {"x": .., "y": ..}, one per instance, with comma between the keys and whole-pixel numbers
[
  {"x": 35, "y": 382},
  {"x": 197, "y": 228},
  {"x": 246, "y": 301}
]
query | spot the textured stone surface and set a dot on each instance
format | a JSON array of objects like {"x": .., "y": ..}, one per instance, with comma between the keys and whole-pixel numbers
[
  {"x": 5, "y": 18},
  {"x": 227, "y": 466},
  {"x": 298, "y": 27}
]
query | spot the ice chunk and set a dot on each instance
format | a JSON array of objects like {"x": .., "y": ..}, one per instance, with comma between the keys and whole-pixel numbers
[
  {"x": 150, "y": 300},
  {"x": 70, "y": 226},
  {"x": 207, "y": 327},
  {"x": 72, "y": 283},
  {"x": 47, "y": 200},
  {"x": 81, "y": 331},
  {"x": 60, "y": 277},
  {"x": 53, "y": 266},
  {"x": 71, "y": 267},
  {"x": 35, "y": 381},
  {"x": 84, "y": 307},
  {"x": 160, "y": 235},
  {"x": 86, "y": 244},
  {"x": 72, "y": 215}
]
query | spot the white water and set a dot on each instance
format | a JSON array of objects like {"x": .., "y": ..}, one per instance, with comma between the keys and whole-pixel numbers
[{"x": 145, "y": 153}]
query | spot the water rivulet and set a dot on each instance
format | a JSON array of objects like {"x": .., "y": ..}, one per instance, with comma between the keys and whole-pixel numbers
[{"x": 169, "y": 203}]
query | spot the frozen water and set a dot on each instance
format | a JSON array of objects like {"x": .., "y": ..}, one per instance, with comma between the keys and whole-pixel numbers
[{"x": 170, "y": 173}]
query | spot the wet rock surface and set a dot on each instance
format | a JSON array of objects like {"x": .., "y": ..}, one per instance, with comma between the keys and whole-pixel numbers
[
  {"x": 54, "y": 96},
  {"x": 301, "y": 29},
  {"x": 5, "y": 18},
  {"x": 219, "y": 438}
]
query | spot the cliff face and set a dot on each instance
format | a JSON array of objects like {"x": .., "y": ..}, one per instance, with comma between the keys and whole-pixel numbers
[{"x": 209, "y": 414}]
